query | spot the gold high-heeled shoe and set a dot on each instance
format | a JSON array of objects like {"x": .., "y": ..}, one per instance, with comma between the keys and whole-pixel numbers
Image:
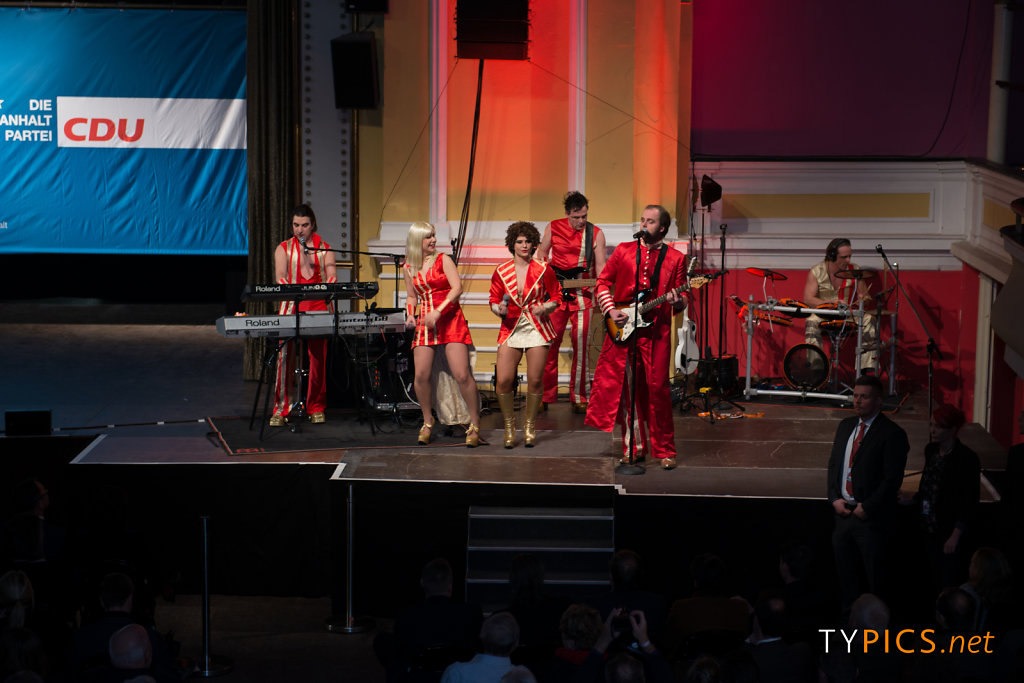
[
  {"x": 509, "y": 414},
  {"x": 473, "y": 436},
  {"x": 533, "y": 402},
  {"x": 424, "y": 437}
]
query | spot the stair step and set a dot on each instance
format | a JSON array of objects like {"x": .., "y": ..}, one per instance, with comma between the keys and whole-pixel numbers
[
  {"x": 496, "y": 512},
  {"x": 540, "y": 545},
  {"x": 552, "y": 578}
]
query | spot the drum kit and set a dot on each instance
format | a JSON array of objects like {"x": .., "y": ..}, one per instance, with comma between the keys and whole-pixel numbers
[{"x": 806, "y": 367}]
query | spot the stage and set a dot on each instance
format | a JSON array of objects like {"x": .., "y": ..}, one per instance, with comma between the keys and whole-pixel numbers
[{"x": 155, "y": 417}]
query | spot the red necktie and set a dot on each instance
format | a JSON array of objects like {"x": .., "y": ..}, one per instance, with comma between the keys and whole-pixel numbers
[{"x": 853, "y": 455}]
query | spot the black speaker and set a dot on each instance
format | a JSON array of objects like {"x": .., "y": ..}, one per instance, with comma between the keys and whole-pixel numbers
[
  {"x": 487, "y": 29},
  {"x": 28, "y": 423},
  {"x": 366, "y": 6},
  {"x": 354, "y": 60},
  {"x": 710, "y": 191}
]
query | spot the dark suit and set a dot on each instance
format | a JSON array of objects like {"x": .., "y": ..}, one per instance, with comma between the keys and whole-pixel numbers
[{"x": 876, "y": 477}]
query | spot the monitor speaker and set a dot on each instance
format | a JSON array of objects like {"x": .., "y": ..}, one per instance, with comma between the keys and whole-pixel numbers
[{"x": 28, "y": 423}]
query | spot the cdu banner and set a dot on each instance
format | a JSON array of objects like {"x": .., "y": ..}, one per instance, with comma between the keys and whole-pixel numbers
[{"x": 122, "y": 131}]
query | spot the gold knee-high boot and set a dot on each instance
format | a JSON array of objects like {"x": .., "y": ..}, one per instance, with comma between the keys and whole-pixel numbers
[
  {"x": 508, "y": 412},
  {"x": 533, "y": 402}
]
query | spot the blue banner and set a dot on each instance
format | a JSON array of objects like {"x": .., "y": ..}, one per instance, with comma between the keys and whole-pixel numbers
[{"x": 122, "y": 131}]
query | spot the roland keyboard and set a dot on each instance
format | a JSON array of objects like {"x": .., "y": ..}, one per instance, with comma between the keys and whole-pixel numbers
[
  {"x": 313, "y": 324},
  {"x": 309, "y": 291}
]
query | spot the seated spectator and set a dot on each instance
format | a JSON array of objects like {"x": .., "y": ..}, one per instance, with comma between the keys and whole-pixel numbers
[
  {"x": 499, "y": 636},
  {"x": 439, "y": 625},
  {"x": 708, "y": 610},
  {"x": 21, "y": 650},
  {"x": 622, "y": 668},
  {"x": 130, "y": 656},
  {"x": 90, "y": 645},
  {"x": 620, "y": 628},
  {"x": 867, "y": 613},
  {"x": 805, "y": 608},
  {"x": 626, "y": 572},
  {"x": 997, "y": 597},
  {"x": 580, "y": 627},
  {"x": 518, "y": 674},
  {"x": 536, "y": 612},
  {"x": 16, "y": 600},
  {"x": 777, "y": 660}
]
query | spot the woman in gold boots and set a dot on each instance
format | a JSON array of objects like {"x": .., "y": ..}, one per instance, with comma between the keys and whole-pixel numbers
[
  {"x": 523, "y": 293},
  {"x": 433, "y": 288}
]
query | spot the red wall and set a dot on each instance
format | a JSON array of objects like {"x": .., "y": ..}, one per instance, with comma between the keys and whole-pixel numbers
[{"x": 946, "y": 302}]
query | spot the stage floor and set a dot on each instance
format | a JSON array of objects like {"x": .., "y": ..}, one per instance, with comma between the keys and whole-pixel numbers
[{"x": 148, "y": 391}]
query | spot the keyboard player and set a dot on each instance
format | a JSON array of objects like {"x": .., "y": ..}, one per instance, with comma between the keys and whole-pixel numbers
[{"x": 294, "y": 263}]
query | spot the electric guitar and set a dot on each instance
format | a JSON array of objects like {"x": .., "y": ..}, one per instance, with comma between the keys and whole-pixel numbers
[
  {"x": 635, "y": 315},
  {"x": 570, "y": 281}
]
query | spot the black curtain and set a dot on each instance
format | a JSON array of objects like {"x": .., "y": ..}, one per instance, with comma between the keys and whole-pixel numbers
[{"x": 272, "y": 145}]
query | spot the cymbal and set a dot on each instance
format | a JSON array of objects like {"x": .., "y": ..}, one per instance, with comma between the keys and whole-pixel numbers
[
  {"x": 855, "y": 274},
  {"x": 766, "y": 274}
]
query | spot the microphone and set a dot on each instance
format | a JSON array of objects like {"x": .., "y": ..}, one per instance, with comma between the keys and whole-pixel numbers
[
  {"x": 302, "y": 241},
  {"x": 639, "y": 234},
  {"x": 878, "y": 248}
]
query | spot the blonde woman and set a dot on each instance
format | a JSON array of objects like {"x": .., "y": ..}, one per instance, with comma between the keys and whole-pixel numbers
[
  {"x": 523, "y": 294},
  {"x": 433, "y": 288}
]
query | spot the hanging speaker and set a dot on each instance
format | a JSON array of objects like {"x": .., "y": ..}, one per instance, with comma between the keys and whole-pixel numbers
[
  {"x": 366, "y": 6},
  {"x": 710, "y": 191},
  {"x": 486, "y": 29},
  {"x": 354, "y": 60}
]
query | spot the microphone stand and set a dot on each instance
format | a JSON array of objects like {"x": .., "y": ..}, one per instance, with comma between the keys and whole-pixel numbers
[
  {"x": 720, "y": 361},
  {"x": 931, "y": 347},
  {"x": 397, "y": 261},
  {"x": 632, "y": 468}
]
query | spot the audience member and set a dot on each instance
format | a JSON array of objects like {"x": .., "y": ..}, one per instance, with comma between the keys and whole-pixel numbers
[
  {"x": 628, "y": 594},
  {"x": 439, "y": 625},
  {"x": 623, "y": 668},
  {"x": 618, "y": 629},
  {"x": 499, "y": 636},
  {"x": 777, "y": 660},
  {"x": 805, "y": 606},
  {"x": 90, "y": 646},
  {"x": 131, "y": 657},
  {"x": 16, "y": 599},
  {"x": 518, "y": 674},
  {"x": 580, "y": 627},
  {"x": 27, "y": 535},
  {"x": 857, "y": 661},
  {"x": 536, "y": 612},
  {"x": 991, "y": 584},
  {"x": 21, "y": 650},
  {"x": 708, "y": 609}
]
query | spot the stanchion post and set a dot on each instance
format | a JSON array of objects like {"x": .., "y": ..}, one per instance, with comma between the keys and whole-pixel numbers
[
  {"x": 349, "y": 624},
  {"x": 211, "y": 665}
]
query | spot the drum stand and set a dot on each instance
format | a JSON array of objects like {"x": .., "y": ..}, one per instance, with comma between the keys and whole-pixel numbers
[{"x": 858, "y": 316}]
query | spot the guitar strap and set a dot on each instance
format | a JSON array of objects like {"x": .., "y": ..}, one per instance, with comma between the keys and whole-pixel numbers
[
  {"x": 655, "y": 277},
  {"x": 588, "y": 243}
]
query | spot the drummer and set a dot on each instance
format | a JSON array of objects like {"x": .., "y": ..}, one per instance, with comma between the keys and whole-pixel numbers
[{"x": 825, "y": 285}]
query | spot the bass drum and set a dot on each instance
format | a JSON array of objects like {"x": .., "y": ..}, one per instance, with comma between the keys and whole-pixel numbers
[{"x": 805, "y": 367}]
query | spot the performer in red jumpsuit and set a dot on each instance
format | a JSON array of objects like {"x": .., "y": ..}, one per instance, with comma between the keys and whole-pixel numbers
[
  {"x": 294, "y": 264},
  {"x": 610, "y": 398},
  {"x": 433, "y": 288},
  {"x": 573, "y": 244},
  {"x": 523, "y": 293}
]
